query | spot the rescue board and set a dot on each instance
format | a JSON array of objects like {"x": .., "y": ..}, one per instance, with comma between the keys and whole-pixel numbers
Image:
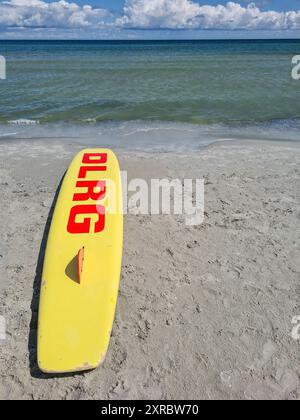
[{"x": 82, "y": 265}]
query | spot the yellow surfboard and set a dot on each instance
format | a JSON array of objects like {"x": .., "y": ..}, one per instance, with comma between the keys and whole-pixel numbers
[{"x": 81, "y": 273}]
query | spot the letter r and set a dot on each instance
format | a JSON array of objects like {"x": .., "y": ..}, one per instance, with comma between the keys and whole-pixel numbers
[{"x": 91, "y": 192}]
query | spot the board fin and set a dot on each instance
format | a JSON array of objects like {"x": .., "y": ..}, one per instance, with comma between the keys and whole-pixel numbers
[{"x": 80, "y": 261}]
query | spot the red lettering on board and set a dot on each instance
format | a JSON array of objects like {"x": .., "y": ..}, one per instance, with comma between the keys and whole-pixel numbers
[
  {"x": 76, "y": 227},
  {"x": 95, "y": 191},
  {"x": 92, "y": 158},
  {"x": 85, "y": 169},
  {"x": 91, "y": 193}
]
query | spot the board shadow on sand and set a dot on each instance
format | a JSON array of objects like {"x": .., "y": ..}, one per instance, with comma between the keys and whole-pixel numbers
[{"x": 32, "y": 341}]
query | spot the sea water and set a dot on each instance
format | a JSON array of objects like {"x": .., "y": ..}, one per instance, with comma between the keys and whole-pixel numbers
[{"x": 162, "y": 94}]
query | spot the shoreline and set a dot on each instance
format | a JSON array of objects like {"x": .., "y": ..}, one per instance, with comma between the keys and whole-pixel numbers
[
  {"x": 151, "y": 136},
  {"x": 72, "y": 144},
  {"x": 226, "y": 290}
]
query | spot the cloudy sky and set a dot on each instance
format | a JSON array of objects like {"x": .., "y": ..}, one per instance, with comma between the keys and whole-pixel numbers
[{"x": 149, "y": 19}]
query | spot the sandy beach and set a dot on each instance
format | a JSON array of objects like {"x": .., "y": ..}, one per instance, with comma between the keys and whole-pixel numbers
[{"x": 204, "y": 312}]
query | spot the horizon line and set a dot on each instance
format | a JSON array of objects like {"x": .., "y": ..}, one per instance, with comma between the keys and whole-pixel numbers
[{"x": 146, "y": 40}]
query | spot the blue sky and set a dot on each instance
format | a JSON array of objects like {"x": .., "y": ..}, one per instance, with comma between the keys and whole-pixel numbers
[{"x": 149, "y": 19}]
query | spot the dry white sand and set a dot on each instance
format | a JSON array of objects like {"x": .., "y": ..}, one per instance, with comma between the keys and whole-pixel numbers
[{"x": 204, "y": 312}]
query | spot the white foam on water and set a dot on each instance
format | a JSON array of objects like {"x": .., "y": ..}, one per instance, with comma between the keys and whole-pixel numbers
[
  {"x": 8, "y": 134},
  {"x": 145, "y": 135},
  {"x": 23, "y": 122},
  {"x": 90, "y": 120}
]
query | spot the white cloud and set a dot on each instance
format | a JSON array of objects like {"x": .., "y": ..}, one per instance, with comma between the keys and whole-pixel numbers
[
  {"x": 142, "y": 14},
  {"x": 186, "y": 14},
  {"x": 57, "y": 14}
]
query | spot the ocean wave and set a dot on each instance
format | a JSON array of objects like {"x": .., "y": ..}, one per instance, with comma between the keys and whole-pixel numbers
[
  {"x": 3, "y": 135},
  {"x": 158, "y": 136},
  {"x": 24, "y": 122},
  {"x": 89, "y": 120}
]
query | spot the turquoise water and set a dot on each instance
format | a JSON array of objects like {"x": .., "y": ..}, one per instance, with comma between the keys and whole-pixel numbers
[{"x": 203, "y": 83}]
